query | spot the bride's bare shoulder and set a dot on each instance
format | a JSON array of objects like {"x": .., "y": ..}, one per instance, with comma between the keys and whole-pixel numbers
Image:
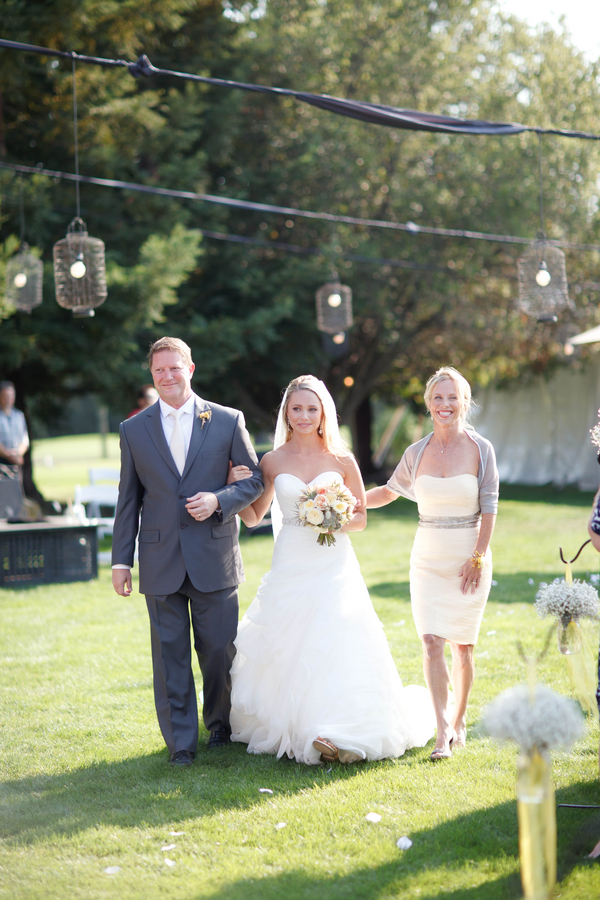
[
  {"x": 271, "y": 462},
  {"x": 348, "y": 463}
]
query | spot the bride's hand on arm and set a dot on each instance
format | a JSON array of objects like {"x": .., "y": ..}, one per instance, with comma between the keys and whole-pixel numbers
[
  {"x": 255, "y": 513},
  {"x": 238, "y": 473},
  {"x": 353, "y": 481}
]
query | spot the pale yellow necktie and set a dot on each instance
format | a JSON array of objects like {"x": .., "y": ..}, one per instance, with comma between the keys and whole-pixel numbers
[{"x": 177, "y": 443}]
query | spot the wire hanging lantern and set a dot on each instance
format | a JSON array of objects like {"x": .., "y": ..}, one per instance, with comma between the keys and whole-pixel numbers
[
  {"x": 24, "y": 271},
  {"x": 543, "y": 289},
  {"x": 79, "y": 271},
  {"x": 24, "y": 275},
  {"x": 79, "y": 268},
  {"x": 334, "y": 309}
]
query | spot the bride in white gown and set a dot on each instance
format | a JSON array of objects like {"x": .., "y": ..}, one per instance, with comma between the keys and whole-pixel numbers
[{"x": 313, "y": 676}]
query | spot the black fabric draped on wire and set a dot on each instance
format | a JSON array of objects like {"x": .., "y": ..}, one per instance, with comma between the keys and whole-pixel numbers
[{"x": 373, "y": 113}]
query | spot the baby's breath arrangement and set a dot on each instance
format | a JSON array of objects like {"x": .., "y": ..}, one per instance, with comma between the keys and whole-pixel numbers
[
  {"x": 562, "y": 599},
  {"x": 538, "y": 719}
]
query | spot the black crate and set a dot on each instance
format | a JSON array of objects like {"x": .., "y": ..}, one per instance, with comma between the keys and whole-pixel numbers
[{"x": 46, "y": 553}]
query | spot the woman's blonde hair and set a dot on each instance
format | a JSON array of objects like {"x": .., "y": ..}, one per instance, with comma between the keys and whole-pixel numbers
[
  {"x": 463, "y": 389},
  {"x": 329, "y": 430}
]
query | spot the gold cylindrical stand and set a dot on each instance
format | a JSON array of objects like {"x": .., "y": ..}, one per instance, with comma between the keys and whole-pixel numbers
[{"x": 537, "y": 825}]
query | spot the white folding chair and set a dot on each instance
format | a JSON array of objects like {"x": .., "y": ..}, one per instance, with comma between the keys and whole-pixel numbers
[
  {"x": 99, "y": 474},
  {"x": 93, "y": 496}
]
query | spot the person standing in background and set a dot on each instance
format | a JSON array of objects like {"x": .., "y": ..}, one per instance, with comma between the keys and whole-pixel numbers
[
  {"x": 146, "y": 396},
  {"x": 14, "y": 438}
]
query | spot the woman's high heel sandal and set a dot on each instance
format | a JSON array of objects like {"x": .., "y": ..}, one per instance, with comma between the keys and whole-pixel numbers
[
  {"x": 441, "y": 752},
  {"x": 329, "y": 752},
  {"x": 349, "y": 756}
]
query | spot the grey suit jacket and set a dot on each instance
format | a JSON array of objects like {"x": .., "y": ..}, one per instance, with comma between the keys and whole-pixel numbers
[{"x": 152, "y": 498}]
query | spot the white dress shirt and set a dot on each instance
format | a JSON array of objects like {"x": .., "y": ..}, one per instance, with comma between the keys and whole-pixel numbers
[{"x": 186, "y": 423}]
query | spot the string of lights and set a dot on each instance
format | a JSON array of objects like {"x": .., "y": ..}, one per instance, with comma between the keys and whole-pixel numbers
[{"x": 410, "y": 227}]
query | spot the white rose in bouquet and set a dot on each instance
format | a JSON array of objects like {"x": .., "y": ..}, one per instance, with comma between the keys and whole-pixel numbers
[{"x": 314, "y": 516}]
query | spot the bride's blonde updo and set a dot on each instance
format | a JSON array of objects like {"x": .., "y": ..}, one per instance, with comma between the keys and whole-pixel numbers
[{"x": 329, "y": 431}]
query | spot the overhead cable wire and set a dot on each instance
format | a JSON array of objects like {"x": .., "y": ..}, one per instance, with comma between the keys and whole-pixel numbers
[
  {"x": 410, "y": 227},
  {"x": 372, "y": 113}
]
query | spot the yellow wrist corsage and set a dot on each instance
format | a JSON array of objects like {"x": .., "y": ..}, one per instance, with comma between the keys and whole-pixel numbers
[{"x": 478, "y": 559}]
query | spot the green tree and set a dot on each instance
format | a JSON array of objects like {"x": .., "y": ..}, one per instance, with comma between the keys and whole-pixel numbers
[
  {"x": 248, "y": 312},
  {"x": 450, "y": 57}
]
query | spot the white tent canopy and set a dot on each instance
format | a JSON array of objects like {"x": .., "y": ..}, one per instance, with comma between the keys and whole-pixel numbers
[{"x": 541, "y": 429}]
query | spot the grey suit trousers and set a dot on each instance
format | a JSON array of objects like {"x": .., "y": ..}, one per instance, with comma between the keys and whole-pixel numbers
[{"x": 214, "y": 619}]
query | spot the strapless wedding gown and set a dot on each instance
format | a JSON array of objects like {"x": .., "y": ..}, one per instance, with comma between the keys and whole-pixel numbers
[
  {"x": 445, "y": 539},
  {"x": 312, "y": 659}
]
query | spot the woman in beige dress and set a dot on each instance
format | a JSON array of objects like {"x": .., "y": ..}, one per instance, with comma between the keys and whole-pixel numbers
[{"x": 452, "y": 475}]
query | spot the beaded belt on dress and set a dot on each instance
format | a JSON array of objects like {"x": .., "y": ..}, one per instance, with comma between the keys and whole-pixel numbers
[
  {"x": 449, "y": 521},
  {"x": 290, "y": 521}
]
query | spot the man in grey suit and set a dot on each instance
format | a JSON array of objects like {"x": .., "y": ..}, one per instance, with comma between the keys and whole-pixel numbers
[{"x": 174, "y": 497}]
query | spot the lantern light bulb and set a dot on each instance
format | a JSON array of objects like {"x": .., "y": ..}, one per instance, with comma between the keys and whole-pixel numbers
[
  {"x": 543, "y": 275},
  {"x": 20, "y": 279},
  {"x": 348, "y": 380},
  {"x": 334, "y": 300},
  {"x": 339, "y": 338},
  {"x": 78, "y": 269},
  {"x": 569, "y": 349}
]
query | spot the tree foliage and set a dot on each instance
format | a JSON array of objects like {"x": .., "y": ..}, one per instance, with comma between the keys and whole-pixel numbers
[{"x": 247, "y": 310}]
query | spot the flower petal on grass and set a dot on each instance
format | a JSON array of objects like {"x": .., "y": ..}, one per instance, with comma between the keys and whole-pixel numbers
[
  {"x": 112, "y": 870},
  {"x": 373, "y": 817},
  {"x": 403, "y": 843},
  {"x": 168, "y": 847},
  {"x": 490, "y": 632},
  {"x": 176, "y": 833},
  {"x": 265, "y": 791},
  {"x": 280, "y": 825},
  {"x": 170, "y": 862}
]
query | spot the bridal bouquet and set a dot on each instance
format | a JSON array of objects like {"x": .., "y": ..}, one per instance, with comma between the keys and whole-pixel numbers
[{"x": 325, "y": 509}]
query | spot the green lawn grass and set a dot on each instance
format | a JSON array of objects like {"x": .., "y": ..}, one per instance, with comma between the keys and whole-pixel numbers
[
  {"x": 85, "y": 783},
  {"x": 61, "y": 463}
]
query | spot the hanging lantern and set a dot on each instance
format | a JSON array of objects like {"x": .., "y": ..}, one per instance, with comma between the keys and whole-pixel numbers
[
  {"x": 334, "y": 308},
  {"x": 24, "y": 274},
  {"x": 543, "y": 289},
  {"x": 79, "y": 271}
]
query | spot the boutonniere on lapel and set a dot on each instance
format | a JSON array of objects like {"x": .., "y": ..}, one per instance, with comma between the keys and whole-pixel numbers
[{"x": 205, "y": 417}]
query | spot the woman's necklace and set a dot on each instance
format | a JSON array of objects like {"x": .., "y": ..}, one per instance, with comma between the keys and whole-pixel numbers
[{"x": 447, "y": 445}]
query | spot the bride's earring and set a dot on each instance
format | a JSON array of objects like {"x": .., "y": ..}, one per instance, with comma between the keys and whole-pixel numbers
[
  {"x": 320, "y": 431},
  {"x": 287, "y": 423}
]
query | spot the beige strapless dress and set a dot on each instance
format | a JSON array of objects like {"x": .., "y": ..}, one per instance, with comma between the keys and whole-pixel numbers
[{"x": 445, "y": 539}]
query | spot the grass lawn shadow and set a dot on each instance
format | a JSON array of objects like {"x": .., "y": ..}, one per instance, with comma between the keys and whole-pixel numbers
[
  {"x": 144, "y": 791},
  {"x": 465, "y": 849}
]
